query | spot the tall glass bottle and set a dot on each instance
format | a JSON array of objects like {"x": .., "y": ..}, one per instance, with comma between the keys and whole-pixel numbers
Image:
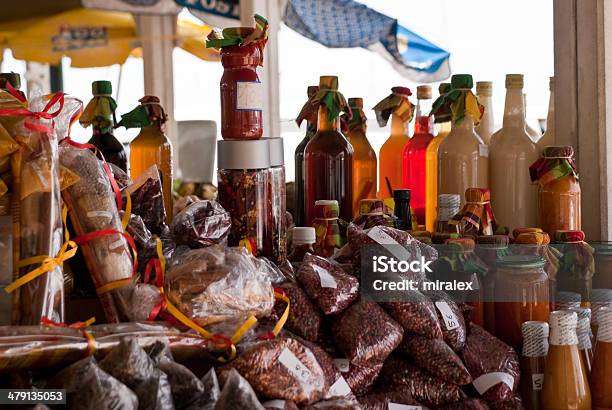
[
  {"x": 512, "y": 151},
  {"x": 548, "y": 139},
  {"x": 486, "y": 128},
  {"x": 415, "y": 151},
  {"x": 565, "y": 379},
  {"x": 151, "y": 146},
  {"x": 100, "y": 114},
  {"x": 311, "y": 129},
  {"x": 462, "y": 156},
  {"x": 328, "y": 156},
  {"x": 534, "y": 134},
  {"x": 400, "y": 110},
  {"x": 601, "y": 374},
  {"x": 533, "y": 361},
  {"x": 364, "y": 157},
  {"x": 431, "y": 164}
]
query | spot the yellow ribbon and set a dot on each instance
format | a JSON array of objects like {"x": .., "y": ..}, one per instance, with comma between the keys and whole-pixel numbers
[
  {"x": 281, "y": 322},
  {"x": 472, "y": 108},
  {"x": 114, "y": 285},
  {"x": 128, "y": 211}
]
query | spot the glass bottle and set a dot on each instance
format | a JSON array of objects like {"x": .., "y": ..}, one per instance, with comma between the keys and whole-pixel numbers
[
  {"x": 533, "y": 361},
  {"x": 401, "y": 209},
  {"x": 521, "y": 295},
  {"x": 449, "y": 205},
  {"x": 390, "y": 155},
  {"x": 601, "y": 374},
  {"x": 414, "y": 153},
  {"x": 276, "y": 231},
  {"x": 559, "y": 206},
  {"x": 304, "y": 238},
  {"x": 548, "y": 139},
  {"x": 151, "y": 146},
  {"x": 534, "y": 134},
  {"x": 565, "y": 380},
  {"x": 311, "y": 129},
  {"x": 364, "y": 157},
  {"x": 431, "y": 164},
  {"x": 583, "y": 331},
  {"x": 513, "y": 196},
  {"x": 486, "y": 128},
  {"x": 100, "y": 113},
  {"x": 326, "y": 227},
  {"x": 328, "y": 159},
  {"x": 462, "y": 156}
]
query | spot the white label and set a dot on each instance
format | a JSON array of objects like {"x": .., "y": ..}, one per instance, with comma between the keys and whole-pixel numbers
[
  {"x": 100, "y": 214},
  {"x": 486, "y": 381},
  {"x": 340, "y": 388},
  {"x": 483, "y": 150},
  {"x": 396, "y": 406},
  {"x": 249, "y": 96},
  {"x": 450, "y": 320},
  {"x": 327, "y": 280},
  {"x": 343, "y": 365},
  {"x": 380, "y": 237},
  {"x": 295, "y": 367},
  {"x": 274, "y": 404},
  {"x": 117, "y": 244},
  {"x": 537, "y": 381}
]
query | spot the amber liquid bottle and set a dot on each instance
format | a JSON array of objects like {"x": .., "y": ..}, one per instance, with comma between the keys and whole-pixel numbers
[
  {"x": 311, "y": 129},
  {"x": 565, "y": 379},
  {"x": 533, "y": 360},
  {"x": 391, "y": 159},
  {"x": 601, "y": 374}
]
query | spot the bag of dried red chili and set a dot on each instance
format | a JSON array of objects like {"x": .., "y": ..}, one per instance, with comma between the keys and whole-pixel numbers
[
  {"x": 416, "y": 314},
  {"x": 493, "y": 364},
  {"x": 359, "y": 378},
  {"x": 389, "y": 397},
  {"x": 327, "y": 284},
  {"x": 515, "y": 403},
  {"x": 305, "y": 319},
  {"x": 435, "y": 356},
  {"x": 425, "y": 388},
  {"x": 366, "y": 334},
  {"x": 469, "y": 404},
  {"x": 450, "y": 317}
]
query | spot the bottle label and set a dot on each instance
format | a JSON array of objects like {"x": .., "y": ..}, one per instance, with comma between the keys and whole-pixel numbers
[
  {"x": 249, "y": 96},
  {"x": 537, "y": 381},
  {"x": 327, "y": 280},
  {"x": 483, "y": 150},
  {"x": 295, "y": 367},
  {"x": 486, "y": 381},
  {"x": 450, "y": 320}
]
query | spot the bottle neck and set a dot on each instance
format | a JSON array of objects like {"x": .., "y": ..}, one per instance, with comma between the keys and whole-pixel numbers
[
  {"x": 466, "y": 124},
  {"x": 324, "y": 123},
  {"x": 424, "y": 122},
  {"x": 444, "y": 127},
  {"x": 514, "y": 111},
  {"x": 96, "y": 130},
  {"x": 550, "y": 119},
  {"x": 398, "y": 126}
]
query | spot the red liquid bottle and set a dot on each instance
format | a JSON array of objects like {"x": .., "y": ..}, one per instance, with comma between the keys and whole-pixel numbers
[{"x": 413, "y": 168}]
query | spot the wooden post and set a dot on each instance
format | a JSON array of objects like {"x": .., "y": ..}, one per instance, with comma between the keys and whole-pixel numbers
[{"x": 269, "y": 74}]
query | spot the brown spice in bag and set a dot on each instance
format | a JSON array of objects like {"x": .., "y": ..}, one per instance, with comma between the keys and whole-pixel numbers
[{"x": 305, "y": 319}]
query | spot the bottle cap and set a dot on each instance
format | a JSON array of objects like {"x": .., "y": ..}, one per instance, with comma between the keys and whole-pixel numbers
[
  {"x": 277, "y": 158},
  {"x": 551, "y": 84},
  {"x": 514, "y": 81},
  {"x": 600, "y": 300},
  {"x": 583, "y": 331},
  {"x": 303, "y": 235},
  {"x": 356, "y": 102},
  {"x": 101, "y": 87},
  {"x": 403, "y": 91},
  {"x": 328, "y": 82},
  {"x": 12, "y": 78},
  {"x": 484, "y": 88},
  {"x": 462, "y": 81},
  {"x": 582, "y": 312},
  {"x": 243, "y": 154},
  {"x": 563, "y": 327},
  {"x": 424, "y": 92},
  {"x": 444, "y": 88},
  {"x": 604, "y": 329},
  {"x": 567, "y": 300},
  {"x": 326, "y": 209},
  {"x": 312, "y": 90},
  {"x": 535, "y": 338},
  {"x": 448, "y": 206},
  {"x": 401, "y": 194}
]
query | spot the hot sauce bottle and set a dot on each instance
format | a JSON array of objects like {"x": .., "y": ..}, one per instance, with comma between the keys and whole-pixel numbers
[
  {"x": 601, "y": 374},
  {"x": 533, "y": 361}
]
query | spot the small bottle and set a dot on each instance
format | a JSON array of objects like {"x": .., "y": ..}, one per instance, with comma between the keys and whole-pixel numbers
[
  {"x": 100, "y": 114},
  {"x": 304, "y": 238},
  {"x": 486, "y": 128},
  {"x": 533, "y": 361},
  {"x": 548, "y": 139},
  {"x": 449, "y": 205},
  {"x": 401, "y": 209},
  {"x": 565, "y": 379},
  {"x": 601, "y": 374},
  {"x": 583, "y": 331},
  {"x": 326, "y": 226},
  {"x": 534, "y": 134}
]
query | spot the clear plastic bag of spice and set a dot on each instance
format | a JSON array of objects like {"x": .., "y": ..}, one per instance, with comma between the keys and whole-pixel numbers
[
  {"x": 450, "y": 317},
  {"x": 359, "y": 378},
  {"x": 415, "y": 313},
  {"x": 148, "y": 199},
  {"x": 237, "y": 393},
  {"x": 305, "y": 319},
  {"x": 201, "y": 223}
]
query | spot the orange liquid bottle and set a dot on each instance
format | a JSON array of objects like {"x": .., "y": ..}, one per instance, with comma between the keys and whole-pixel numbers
[
  {"x": 533, "y": 361},
  {"x": 601, "y": 373}
]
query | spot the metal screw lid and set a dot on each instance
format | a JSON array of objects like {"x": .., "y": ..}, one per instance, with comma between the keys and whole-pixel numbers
[
  {"x": 277, "y": 157},
  {"x": 243, "y": 154}
]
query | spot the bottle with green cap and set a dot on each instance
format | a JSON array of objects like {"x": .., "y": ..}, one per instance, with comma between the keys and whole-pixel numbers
[
  {"x": 328, "y": 156},
  {"x": 100, "y": 114},
  {"x": 463, "y": 159}
]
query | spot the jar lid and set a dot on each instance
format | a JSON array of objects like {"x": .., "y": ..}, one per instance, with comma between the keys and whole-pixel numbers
[
  {"x": 520, "y": 261},
  {"x": 401, "y": 194},
  {"x": 499, "y": 240},
  {"x": 101, "y": 87},
  {"x": 328, "y": 82},
  {"x": 514, "y": 81},
  {"x": 462, "y": 81},
  {"x": 277, "y": 157},
  {"x": 424, "y": 92},
  {"x": 560, "y": 151},
  {"x": 243, "y": 154},
  {"x": 304, "y": 234},
  {"x": 404, "y": 91},
  {"x": 12, "y": 78},
  {"x": 326, "y": 209},
  {"x": 444, "y": 88},
  {"x": 484, "y": 88},
  {"x": 355, "y": 102}
]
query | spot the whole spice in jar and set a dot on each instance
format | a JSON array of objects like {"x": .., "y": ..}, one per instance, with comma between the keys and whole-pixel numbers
[
  {"x": 303, "y": 238},
  {"x": 276, "y": 234},
  {"x": 326, "y": 226}
]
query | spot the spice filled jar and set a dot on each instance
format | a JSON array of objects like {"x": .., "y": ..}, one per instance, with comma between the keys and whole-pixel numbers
[
  {"x": 277, "y": 231},
  {"x": 521, "y": 295},
  {"x": 244, "y": 188},
  {"x": 602, "y": 279},
  {"x": 533, "y": 361},
  {"x": 304, "y": 238}
]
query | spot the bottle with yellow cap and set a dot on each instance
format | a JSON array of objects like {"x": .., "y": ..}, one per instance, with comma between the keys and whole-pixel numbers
[
  {"x": 486, "y": 128},
  {"x": 513, "y": 196},
  {"x": 151, "y": 146}
]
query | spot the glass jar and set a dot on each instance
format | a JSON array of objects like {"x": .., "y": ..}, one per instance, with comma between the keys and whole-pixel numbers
[
  {"x": 241, "y": 92},
  {"x": 521, "y": 295},
  {"x": 326, "y": 227},
  {"x": 602, "y": 279},
  {"x": 576, "y": 266},
  {"x": 276, "y": 233},
  {"x": 244, "y": 189},
  {"x": 304, "y": 238},
  {"x": 533, "y": 361}
]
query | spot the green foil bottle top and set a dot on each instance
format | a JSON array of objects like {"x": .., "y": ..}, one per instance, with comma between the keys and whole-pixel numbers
[
  {"x": 459, "y": 81},
  {"x": 102, "y": 87}
]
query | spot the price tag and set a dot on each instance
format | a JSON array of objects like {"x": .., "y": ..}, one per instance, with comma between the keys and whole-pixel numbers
[
  {"x": 295, "y": 367},
  {"x": 381, "y": 238},
  {"x": 396, "y": 406},
  {"x": 483, "y": 150},
  {"x": 486, "y": 381},
  {"x": 342, "y": 364},
  {"x": 249, "y": 96},
  {"x": 327, "y": 280},
  {"x": 537, "y": 381},
  {"x": 274, "y": 404},
  {"x": 450, "y": 320},
  {"x": 340, "y": 388}
]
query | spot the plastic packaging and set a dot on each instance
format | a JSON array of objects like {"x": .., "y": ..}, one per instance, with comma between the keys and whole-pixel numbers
[
  {"x": 450, "y": 318},
  {"x": 469, "y": 404},
  {"x": 383, "y": 398},
  {"x": 305, "y": 319},
  {"x": 146, "y": 243},
  {"x": 366, "y": 334},
  {"x": 493, "y": 364},
  {"x": 201, "y": 223},
  {"x": 214, "y": 284},
  {"x": 338, "y": 403},
  {"x": 327, "y": 284},
  {"x": 280, "y": 405},
  {"x": 359, "y": 378},
  {"x": 208, "y": 399},
  {"x": 416, "y": 314},
  {"x": 148, "y": 199},
  {"x": 237, "y": 393}
]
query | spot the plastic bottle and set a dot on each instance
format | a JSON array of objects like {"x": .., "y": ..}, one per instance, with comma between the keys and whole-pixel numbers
[
  {"x": 304, "y": 238},
  {"x": 548, "y": 139},
  {"x": 513, "y": 196},
  {"x": 486, "y": 128}
]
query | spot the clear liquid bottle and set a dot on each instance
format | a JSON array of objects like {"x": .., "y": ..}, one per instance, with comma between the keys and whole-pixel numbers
[
  {"x": 548, "y": 139},
  {"x": 414, "y": 168},
  {"x": 512, "y": 151},
  {"x": 486, "y": 128}
]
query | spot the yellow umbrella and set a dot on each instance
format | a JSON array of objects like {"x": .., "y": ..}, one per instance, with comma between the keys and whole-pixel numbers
[{"x": 91, "y": 38}]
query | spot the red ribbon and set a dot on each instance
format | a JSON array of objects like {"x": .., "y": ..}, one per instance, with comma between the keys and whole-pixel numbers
[
  {"x": 44, "y": 114},
  {"x": 81, "y": 239}
]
